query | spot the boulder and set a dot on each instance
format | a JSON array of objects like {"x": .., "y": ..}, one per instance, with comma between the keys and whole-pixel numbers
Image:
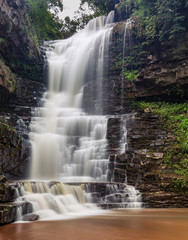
[{"x": 2, "y": 179}]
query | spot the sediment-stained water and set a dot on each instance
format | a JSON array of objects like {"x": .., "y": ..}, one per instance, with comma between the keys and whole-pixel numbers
[{"x": 156, "y": 224}]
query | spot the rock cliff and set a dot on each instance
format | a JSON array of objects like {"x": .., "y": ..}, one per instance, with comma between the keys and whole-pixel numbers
[
  {"x": 162, "y": 66},
  {"x": 19, "y": 50},
  {"x": 161, "y": 71},
  {"x": 21, "y": 71},
  {"x": 143, "y": 163},
  {"x": 162, "y": 76}
]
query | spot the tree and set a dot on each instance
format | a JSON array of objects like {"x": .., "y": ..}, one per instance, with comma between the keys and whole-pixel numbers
[
  {"x": 46, "y": 25},
  {"x": 162, "y": 19},
  {"x": 170, "y": 18},
  {"x": 101, "y": 6}
]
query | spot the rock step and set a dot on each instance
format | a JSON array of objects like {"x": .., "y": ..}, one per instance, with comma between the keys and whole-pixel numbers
[
  {"x": 118, "y": 205},
  {"x": 8, "y": 211}
]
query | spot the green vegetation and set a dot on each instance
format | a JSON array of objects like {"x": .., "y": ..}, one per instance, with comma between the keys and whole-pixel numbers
[
  {"x": 43, "y": 18},
  {"x": 9, "y": 137},
  {"x": 24, "y": 68},
  {"x": 101, "y": 7},
  {"x": 131, "y": 75},
  {"x": 6, "y": 126},
  {"x": 179, "y": 184},
  {"x": 46, "y": 24},
  {"x": 156, "y": 19},
  {"x": 88, "y": 10},
  {"x": 160, "y": 19},
  {"x": 7, "y": 78},
  {"x": 175, "y": 119},
  {"x": 71, "y": 26}
]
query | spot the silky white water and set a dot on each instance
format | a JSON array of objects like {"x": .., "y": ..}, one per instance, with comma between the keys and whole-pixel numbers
[
  {"x": 126, "y": 41},
  {"x": 68, "y": 145},
  {"x": 54, "y": 200}
]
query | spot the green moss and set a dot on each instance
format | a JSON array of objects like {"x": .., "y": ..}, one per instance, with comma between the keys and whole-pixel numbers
[
  {"x": 45, "y": 24},
  {"x": 179, "y": 184},
  {"x": 28, "y": 29},
  {"x": 26, "y": 69},
  {"x": 8, "y": 135},
  {"x": 174, "y": 118},
  {"x": 8, "y": 126},
  {"x": 131, "y": 75},
  {"x": 7, "y": 77}
]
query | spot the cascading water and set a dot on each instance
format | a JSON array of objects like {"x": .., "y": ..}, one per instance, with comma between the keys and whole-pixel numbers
[
  {"x": 54, "y": 200},
  {"x": 67, "y": 144},
  {"x": 126, "y": 45}
]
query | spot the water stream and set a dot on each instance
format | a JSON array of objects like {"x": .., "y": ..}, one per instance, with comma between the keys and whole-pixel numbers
[
  {"x": 126, "y": 46},
  {"x": 68, "y": 145},
  {"x": 145, "y": 224}
]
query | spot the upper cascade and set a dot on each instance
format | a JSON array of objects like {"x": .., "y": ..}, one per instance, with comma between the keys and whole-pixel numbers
[
  {"x": 68, "y": 144},
  {"x": 80, "y": 59},
  {"x": 100, "y": 22}
]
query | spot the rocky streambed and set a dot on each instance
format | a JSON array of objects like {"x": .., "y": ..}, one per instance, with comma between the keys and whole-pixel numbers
[{"x": 14, "y": 206}]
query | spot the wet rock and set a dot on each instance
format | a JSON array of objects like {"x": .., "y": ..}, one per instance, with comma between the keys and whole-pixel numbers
[
  {"x": 31, "y": 217},
  {"x": 155, "y": 155},
  {"x": 113, "y": 205},
  {"x": 7, "y": 214},
  {"x": 147, "y": 110},
  {"x": 15, "y": 152},
  {"x": 7, "y": 193},
  {"x": 17, "y": 43},
  {"x": 140, "y": 165},
  {"x": 120, "y": 175},
  {"x": 8, "y": 211},
  {"x": 2, "y": 179}
]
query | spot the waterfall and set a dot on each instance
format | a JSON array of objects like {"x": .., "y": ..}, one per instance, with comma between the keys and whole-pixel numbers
[
  {"x": 54, "y": 200},
  {"x": 126, "y": 42},
  {"x": 68, "y": 145}
]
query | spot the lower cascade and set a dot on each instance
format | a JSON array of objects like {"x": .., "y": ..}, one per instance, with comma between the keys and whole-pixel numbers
[
  {"x": 69, "y": 169},
  {"x": 55, "y": 200}
]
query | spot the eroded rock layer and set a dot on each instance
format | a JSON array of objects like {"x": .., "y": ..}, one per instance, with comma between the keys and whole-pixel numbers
[{"x": 143, "y": 164}]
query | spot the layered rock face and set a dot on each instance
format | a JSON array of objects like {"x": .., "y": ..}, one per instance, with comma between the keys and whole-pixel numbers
[
  {"x": 9, "y": 208},
  {"x": 15, "y": 117},
  {"x": 21, "y": 70},
  {"x": 142, "y": 165},
  {"x": 18, "y": 45},
  {"x": 163, "y": 76},
  {"x": 20, "y": 56},
  {"x": 162, "y": 71},
  {"x": 164, "y": 67}
]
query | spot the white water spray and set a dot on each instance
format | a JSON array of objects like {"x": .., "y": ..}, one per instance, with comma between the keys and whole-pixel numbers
[
  {"x": 69, "y": 145},
  {"x": 126, "y": 41}
]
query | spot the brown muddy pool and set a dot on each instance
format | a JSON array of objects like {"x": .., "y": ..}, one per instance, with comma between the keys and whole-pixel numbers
[{"x": 144, "y": 224}]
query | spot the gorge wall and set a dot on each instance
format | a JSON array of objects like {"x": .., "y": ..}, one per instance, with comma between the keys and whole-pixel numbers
[
  {"x": 163, "y": 75},
  {"x": 162, "y": 71},
  {"x": 21, "y": 73},
  {"x": 162, "y": 66},
  {"x": 144, "y": 163}
]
